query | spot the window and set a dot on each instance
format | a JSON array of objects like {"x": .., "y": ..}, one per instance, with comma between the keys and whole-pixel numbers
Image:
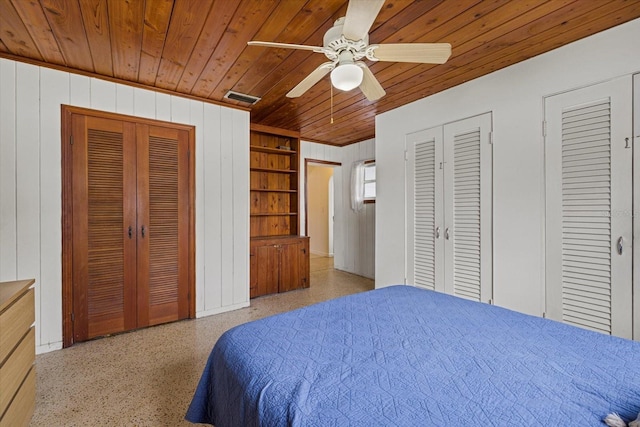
[
  {"x": 363, "y": 184},
  {"x": 369, "y": 182}
]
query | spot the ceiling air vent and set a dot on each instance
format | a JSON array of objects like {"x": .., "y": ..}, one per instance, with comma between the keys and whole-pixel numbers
[{"x": 249, "y": 99}]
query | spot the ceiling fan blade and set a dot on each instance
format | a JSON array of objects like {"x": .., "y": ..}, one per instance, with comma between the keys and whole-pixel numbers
[
  {"x": 311, "y": 80},
  {"x": 285, "y": 45},
  {"x": 427, "y": 53},
  {"x": 370, "y": 85},
  {"x": 360, "y": 17}
]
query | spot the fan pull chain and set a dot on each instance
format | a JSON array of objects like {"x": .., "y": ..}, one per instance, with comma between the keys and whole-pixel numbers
[{"x": 331, "y": 86}]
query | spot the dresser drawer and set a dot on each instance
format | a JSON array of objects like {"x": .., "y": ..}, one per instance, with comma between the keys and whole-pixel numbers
[
  {"x": 21, "y": 409},
  {"x": 15, "y": 321},
  {"x": 15, "y": 368}
]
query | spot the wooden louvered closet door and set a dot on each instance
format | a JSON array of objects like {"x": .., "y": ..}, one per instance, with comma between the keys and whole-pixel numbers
[
  {"x": 131, "y": 225},
  {"x": 588, "y": 168},
  {"x": 163, "y": 210},
  {"x": 104, "y": 206}
]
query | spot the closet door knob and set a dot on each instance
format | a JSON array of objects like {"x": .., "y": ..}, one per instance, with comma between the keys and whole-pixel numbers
[
  {"x": 619, "y": 245},
  {"x": 437, "y": 232},
  {"x": 446, "y": 233},
  {"x": 130, "y": 232},
  {"x": 142, "y": 231}
]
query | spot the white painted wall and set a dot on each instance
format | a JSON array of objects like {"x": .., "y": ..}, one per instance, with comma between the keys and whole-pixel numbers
[
  {"x": 354, "y": 236},
  {"x": 515, "y": 96},
  {"x": 30, "y": 185}
]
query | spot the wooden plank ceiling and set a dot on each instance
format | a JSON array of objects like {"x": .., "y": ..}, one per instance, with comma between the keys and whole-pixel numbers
[{"x": 199, "y": 48}]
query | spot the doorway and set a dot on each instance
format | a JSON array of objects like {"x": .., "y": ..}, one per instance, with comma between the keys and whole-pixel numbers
[{"x": 319, "y": 206}]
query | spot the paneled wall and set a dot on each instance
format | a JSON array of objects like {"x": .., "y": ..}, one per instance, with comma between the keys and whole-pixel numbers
[
  {"x": 515, "y": 96},
  {"x": 30, "y": 185},
  {"x": 354, "y": 232}
]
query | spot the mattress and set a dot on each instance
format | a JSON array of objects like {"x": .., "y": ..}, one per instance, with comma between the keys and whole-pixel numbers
[{"x": 403, "y": 356}]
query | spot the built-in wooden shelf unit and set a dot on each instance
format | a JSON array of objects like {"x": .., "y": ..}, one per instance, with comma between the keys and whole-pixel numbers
[{"x": 279, "y": 256}]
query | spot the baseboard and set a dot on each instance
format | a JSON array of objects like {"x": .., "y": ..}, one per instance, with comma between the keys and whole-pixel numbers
[
  {"x": 219, "y": 310},
  {"x": 325, "y": 254},
  {"x": 46, "y": 348},
  {"x": 342, "y": 268}
]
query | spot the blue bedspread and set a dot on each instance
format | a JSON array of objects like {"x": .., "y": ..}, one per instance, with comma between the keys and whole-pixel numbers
[{"x": 402, "y": 356}]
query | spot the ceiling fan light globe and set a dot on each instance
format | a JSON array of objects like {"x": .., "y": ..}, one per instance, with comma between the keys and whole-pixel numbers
[{"x": 346, "y": 77}]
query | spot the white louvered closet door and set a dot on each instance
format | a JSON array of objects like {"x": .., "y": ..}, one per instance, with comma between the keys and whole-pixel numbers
[
  {"x": 425, "y": 243},
  {"x": 468, "y": 208},
  {"x": 588, "y": 158},
  {"x": 449, "y": 208}
]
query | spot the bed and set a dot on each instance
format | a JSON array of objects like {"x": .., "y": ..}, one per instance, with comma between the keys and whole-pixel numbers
[{"x": 403, "y": 356}]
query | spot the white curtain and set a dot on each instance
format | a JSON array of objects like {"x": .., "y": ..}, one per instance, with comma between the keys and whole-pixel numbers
[{"x": 357, "y": 186}]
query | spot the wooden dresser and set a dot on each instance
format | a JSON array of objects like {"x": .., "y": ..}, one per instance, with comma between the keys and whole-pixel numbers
[{"x": 17, "y": 353}]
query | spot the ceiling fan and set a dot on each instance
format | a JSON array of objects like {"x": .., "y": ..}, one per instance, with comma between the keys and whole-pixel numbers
[{"x": 347, "y": 42}]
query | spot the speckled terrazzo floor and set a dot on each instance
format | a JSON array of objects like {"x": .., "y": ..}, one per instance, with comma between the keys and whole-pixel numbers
[{"x": 147, "y": 377}]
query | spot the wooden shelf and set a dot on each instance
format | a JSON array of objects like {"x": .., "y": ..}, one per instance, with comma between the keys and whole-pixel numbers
[
  {"x": 272, "y": 190},
  {"x": 273, "y": 170},
  {"x": 275, "y": 214},
  {"x": 271, "y": 150}
]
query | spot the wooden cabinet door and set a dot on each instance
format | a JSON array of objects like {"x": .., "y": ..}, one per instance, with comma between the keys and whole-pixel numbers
[
  {"x": 290, "y": 255},
  {"x": 279, "y": 265},
  {"x": 163, "y": 224},
  {"x": 267, "y": 261},
  {"x": 104, "y": 206}
]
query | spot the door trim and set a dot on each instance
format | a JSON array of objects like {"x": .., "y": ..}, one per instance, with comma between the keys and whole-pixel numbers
[
  {"x": 67, "y": 113},
  {"x": 636, "y": 206}
]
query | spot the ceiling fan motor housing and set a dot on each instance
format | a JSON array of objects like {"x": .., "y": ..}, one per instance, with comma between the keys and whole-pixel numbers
[{"x": 335, "y": 43}]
